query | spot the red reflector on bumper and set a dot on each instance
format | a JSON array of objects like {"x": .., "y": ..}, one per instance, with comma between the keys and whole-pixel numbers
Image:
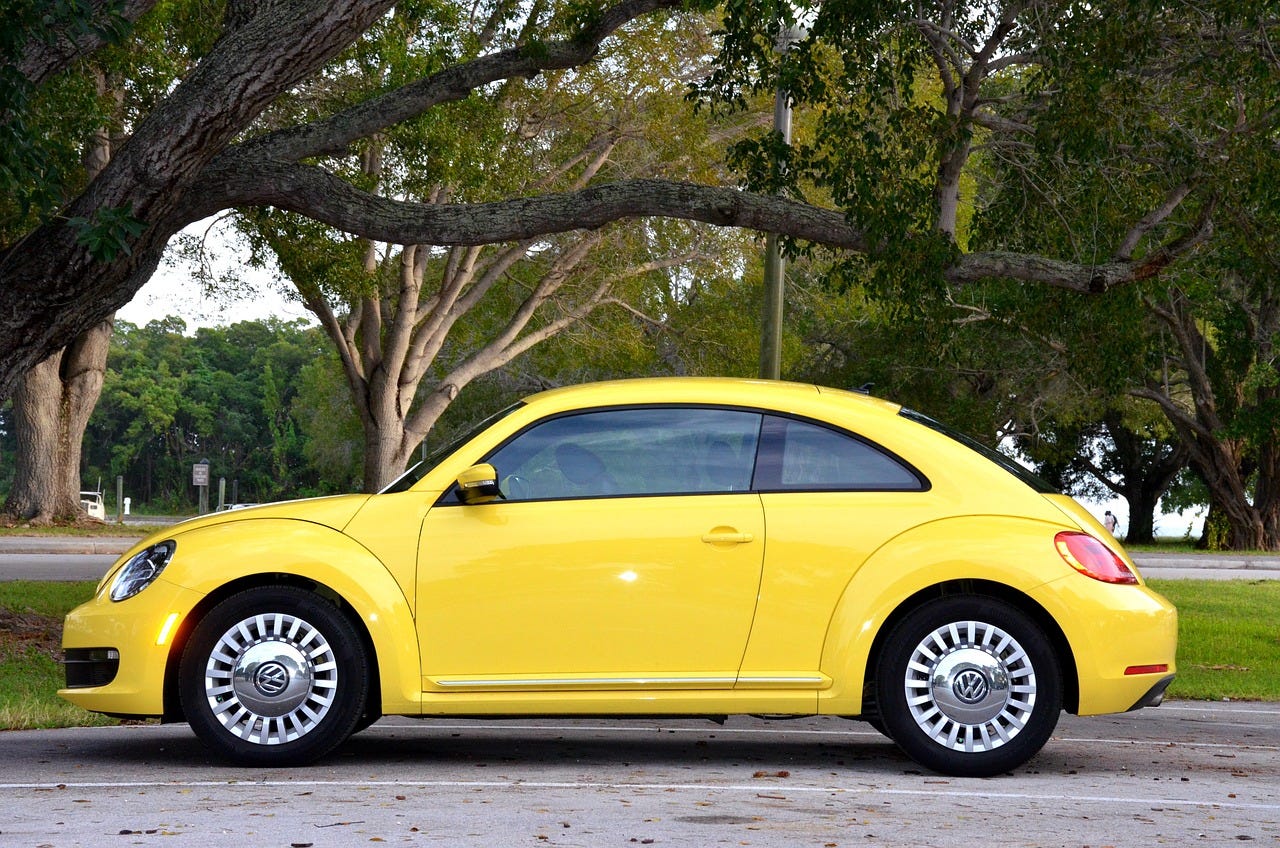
[{"x": 1147, "y": 669}]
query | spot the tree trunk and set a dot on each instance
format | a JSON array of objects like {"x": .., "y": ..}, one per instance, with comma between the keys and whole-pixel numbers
[
  {"x": 384, "y": 456},
  {"x": 56, "y": 397},
  {"x": 1141, "y": 529},
  {"x": 51, "y": 410},
  {"x": 1149, "y": 466},
  {"x": 1229, "y": 528}
]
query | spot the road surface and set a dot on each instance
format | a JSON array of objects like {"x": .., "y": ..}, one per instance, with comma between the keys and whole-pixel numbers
[{"x": 1182, "y": 774}]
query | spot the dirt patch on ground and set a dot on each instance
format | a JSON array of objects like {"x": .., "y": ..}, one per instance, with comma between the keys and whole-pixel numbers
[{"x": 24, "y": 631}]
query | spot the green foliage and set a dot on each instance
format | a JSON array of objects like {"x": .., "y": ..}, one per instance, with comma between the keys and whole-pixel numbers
[
  {"x": 108, "y": 231},
  {"x": 36, "y": 152},
  {"x": 327, "y": 425},
  {"x": 225, "y": 394}
]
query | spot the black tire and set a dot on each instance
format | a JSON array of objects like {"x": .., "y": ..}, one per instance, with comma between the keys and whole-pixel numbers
[
  {"x": 275, "y": 676},
  {"x": 969, "y": 686}
]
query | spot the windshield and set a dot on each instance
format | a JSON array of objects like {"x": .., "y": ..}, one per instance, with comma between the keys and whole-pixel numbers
[
  {"x": 1007, "y": 463},
  {"x": 416, "y": 472}
]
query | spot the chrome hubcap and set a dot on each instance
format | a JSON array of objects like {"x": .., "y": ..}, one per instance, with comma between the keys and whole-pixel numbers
[
  {"x": 970, "y": 686},
  {"x": 271, "y": 678}
]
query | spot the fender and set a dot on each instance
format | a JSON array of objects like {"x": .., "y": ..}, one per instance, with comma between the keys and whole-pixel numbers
[
  {"x": 1015, "y": 552},
  {"x": 259, "y": 547}
]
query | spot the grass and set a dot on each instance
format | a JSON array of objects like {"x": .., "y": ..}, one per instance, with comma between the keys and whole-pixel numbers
[
  {"x": 1229, "y": 646},
  {"x": 79, "y": 530},
  {"x": 1228, "y": 638},
  {"x": 1188, "y": 546},
  {"x": 31, "y": 616}
]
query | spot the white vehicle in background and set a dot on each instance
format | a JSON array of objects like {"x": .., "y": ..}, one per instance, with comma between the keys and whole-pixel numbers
[{"x": 91, "y": 503}]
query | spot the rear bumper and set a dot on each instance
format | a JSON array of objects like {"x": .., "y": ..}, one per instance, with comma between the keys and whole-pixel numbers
[
  {"x": 1155, "y": 695},
  {"x": 1115, "y": 632}
]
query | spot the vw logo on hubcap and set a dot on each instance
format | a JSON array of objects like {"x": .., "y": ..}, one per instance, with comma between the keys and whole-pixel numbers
[
  {"x": 271, "y": 678},
  {"x": 970, "y": 686}
]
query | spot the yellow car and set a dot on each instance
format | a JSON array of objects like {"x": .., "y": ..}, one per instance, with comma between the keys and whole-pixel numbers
[{"x": 643, "y": 547}]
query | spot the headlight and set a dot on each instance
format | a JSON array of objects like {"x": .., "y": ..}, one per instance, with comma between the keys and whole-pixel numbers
[{"x": 141, "y": 569}]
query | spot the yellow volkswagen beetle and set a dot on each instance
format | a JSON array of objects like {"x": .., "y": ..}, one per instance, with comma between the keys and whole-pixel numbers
[{"x": 656, "y": 547}]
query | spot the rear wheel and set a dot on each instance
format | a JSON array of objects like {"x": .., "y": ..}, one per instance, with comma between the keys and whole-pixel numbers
[
  {"x": 275, "y": 676},
  {"x": 969, "y": 686}
]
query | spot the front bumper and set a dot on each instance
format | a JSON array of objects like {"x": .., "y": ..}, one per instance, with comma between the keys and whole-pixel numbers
[{"x": 140, "y": 631}]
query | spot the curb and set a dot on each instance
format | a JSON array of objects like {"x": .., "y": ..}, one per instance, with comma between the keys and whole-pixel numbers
[{"x": 96, "y": 545}]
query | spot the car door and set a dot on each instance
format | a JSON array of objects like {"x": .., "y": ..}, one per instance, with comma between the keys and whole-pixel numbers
[
  {"x": 831, "y": 499},
  {"x": 626, "y": 553}
]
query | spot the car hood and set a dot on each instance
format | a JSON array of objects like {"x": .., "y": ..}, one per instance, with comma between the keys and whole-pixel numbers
[{"x": 336, "y": 512}]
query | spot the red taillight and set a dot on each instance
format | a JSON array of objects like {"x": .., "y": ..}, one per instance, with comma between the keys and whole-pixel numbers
[
  {"x": 1147, "y": 669},
  {"x": 1092, "y": 558}
]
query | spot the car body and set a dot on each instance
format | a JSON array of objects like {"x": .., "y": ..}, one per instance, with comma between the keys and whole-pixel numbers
[
  {"x": 230, "y": 506},
  {"x": 677, "y": 546},
  {"x": 93, "y": 506}
]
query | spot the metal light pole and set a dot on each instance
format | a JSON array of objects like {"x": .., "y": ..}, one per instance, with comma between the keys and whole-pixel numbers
[{"x": 774, "y": 264}]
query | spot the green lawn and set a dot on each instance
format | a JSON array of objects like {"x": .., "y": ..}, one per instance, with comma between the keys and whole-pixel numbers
[
  {"x": 31, "y": 616},
  {"x": 1229, "y": 646},
  {"x": 86, "y": 530},
  {"x": 1228, "y": 638}
]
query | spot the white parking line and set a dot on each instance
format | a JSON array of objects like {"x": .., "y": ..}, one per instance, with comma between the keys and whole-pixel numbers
[
  {"x": 1223, "y": 707},
  {"x": 501, "y": 726},
  {"x": 518, "y": 785}
]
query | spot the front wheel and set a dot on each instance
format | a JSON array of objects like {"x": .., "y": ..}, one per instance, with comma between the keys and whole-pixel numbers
[
  {"x": 969, "y": 686},
  {"x": 275, "y": 676}
]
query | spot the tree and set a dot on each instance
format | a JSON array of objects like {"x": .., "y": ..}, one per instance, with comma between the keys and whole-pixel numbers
[
  {"x": 202, "y": 149},
  {"x": 225, "y": 394},
  {"x": 54, "y": 399},
  {"x": 405, "y": 317},
  {"x": 1220, "y": 389},
  {"x": 1186, "y": 131}
]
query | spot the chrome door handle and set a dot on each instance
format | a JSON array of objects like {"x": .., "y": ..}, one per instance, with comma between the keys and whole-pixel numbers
[{"x": 717, "y": 538}]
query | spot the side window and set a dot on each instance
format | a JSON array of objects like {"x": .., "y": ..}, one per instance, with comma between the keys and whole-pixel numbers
[
  {"x": 805, "y": 456},
  {"x": 633, "y": 451}
]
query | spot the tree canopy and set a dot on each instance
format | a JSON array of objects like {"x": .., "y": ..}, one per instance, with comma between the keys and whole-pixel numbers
[{"x": 1013, "y": 68}]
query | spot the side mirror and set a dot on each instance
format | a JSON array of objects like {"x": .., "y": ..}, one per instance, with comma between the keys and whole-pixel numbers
[{"x": 478, "y": 484}]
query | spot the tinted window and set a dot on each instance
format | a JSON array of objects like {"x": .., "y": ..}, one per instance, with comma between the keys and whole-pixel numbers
[
  {"x": 1007, "y": 463},
  {"x": 640, "y": 451},
  {"x": 803, "y": 455}
]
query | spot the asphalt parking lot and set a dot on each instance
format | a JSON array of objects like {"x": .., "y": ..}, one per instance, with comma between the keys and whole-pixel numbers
[{"x": 1186, "y": 773}]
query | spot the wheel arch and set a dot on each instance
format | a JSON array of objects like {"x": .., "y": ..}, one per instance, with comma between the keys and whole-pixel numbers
[
  {"x": 985, "y": 589},
  {"x": 172, "y": 701},
  {"x": 1004, "y": 557},
  {"x": 221, "y": 561}
]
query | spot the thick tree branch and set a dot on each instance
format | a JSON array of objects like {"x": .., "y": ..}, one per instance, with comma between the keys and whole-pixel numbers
[
  {"x": 332, "y": 135},
  {"x": 1149, "y": 221},
  {"x": 317, "y": 194},
  {"x": 43, "y": 57},
  {"x": 1089, "y": 279}
]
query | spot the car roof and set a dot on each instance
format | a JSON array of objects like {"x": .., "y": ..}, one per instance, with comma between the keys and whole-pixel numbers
[{"x": 729, "y": 390}]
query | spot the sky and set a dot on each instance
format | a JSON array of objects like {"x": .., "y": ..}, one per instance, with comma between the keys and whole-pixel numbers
[{"x": 176, "y": 290}]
